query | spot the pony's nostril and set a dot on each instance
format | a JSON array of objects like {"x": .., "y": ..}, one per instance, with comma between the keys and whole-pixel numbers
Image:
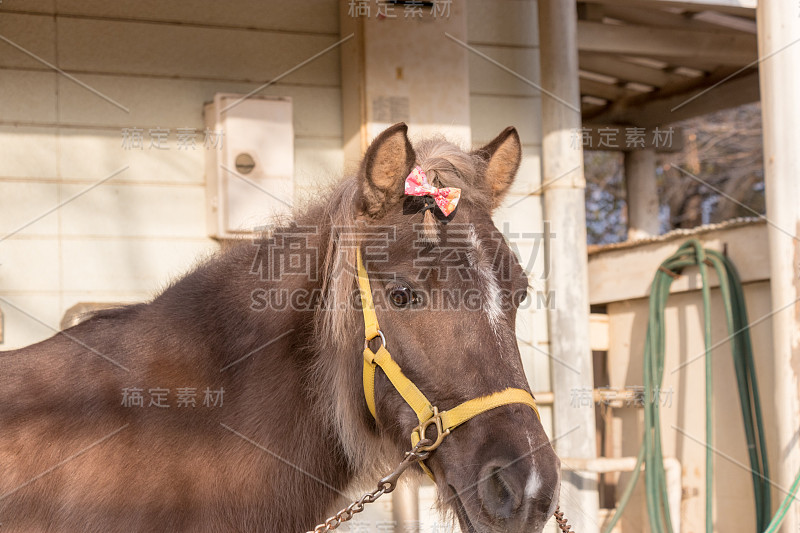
[
  {"x": 498, "y": 494},
  {"x": 542, "y": 503}
]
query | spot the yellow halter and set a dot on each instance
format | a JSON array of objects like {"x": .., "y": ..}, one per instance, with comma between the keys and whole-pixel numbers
[{"x": 427, "y": 413}]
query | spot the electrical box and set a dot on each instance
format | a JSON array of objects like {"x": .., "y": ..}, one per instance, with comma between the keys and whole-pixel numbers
[{"x": 249, "y": 143}]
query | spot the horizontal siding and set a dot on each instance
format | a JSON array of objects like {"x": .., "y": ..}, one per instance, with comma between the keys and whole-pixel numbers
[
  {"x": 486, "y": 78},
  {"x": 88, "y": 45},
  {"x": 506, "y": 32},
  {"x": 21, "y": 202},
  {"x": 125, "y": 239},
  {"x": 179, "y": 103},
  {"x": 27, "y": 152},
  {"x": 317, "y": 163},
  {"x": 27, "y": 97},
  {"x": 308, "y": 16},
  {"x": 29, "y": 265},
  {"x": 28, "y": 6},
  {"x": 30, "y": 155},
  {"x": 36, "y": 34},
  {"x": 19, "y": 329},
  {"x": 136, "y": 265},
  {"x": 91, "y": 265},
  {"x": 169, "y": 167},
  {"x": 174, "y": 50},
  {"x": 107, "y": 212},
  {"x": 503, "y": 22},
  {"x": 124, "y": 211},
  {"x": 489, "y": 115}
]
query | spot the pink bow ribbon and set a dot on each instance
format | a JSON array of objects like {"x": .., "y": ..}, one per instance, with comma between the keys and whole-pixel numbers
[{"x": 446, "y": 198}]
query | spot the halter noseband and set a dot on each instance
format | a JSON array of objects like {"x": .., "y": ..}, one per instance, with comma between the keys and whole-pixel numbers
[{"x": 426, "y": 412}]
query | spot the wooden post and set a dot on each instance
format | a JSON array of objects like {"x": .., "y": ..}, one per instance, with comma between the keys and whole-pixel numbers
[
  {"x": 563, "y": 182},
  {"x": 641, "y": 194},
  {"x": 405, "y": 507},
  {"x": 778, "y": 30}
]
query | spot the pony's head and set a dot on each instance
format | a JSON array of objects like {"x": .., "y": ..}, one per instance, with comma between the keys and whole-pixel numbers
[{"x": 446, "y": 291}]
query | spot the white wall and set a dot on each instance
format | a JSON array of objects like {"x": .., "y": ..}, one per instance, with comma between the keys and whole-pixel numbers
[
  {"x": 507, "y": 31},
  {"x": 127, "y": 237}
]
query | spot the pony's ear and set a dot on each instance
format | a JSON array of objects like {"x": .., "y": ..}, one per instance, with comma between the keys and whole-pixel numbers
[
  {"x": 502, "y": 156},
  {"x": 387, "y": 163}
]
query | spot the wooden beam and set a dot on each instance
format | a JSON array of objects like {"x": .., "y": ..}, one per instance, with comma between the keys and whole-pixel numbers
[
  {"x": 598, "y": 332},
  {"x": 666, "y": 109},
  {"x": 590, "y": 108},
  {"x": 745, "y": 8},
  {"x": 719, "y": 4},
  {"x": 641, "y": 194},
  {"x": 605, "y": 90},
  {"x": 618, "y": 273},
  {"x": 588, "y": 11},
  {"x": 698, "y": 63},
  {"x": 658, "y": 18},
  {"x": 624, "y": 70},
  {"x": 725, "y": 48},
  {"x": 727, "y": 21}
]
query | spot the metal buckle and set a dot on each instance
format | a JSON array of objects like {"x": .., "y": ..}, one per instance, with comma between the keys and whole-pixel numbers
[
  {"x": 383, "y": 340},
  {"x": 441, "y": 433}
]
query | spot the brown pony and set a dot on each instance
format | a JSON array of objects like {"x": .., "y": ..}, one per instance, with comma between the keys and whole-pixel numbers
[{"x": 234, "y": 400}]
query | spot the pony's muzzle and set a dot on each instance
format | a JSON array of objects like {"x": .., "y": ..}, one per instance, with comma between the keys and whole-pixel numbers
[{"x": 519, "y": 493}]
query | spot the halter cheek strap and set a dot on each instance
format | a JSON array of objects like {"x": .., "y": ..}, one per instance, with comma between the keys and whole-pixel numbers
[{"x": 426, "y": 412}]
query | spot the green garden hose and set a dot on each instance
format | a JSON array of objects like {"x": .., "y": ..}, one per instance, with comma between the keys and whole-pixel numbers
[{"x": 650, "y": 455}]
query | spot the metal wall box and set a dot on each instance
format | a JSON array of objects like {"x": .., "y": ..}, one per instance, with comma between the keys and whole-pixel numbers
[{"x": 249, "y": 163}]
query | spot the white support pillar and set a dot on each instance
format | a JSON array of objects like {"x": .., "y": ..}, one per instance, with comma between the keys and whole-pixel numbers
[
  {"x": 778, "y": 31},
  {"x": 641, "y": 194},
  {"x": 564, "y": 184},
  {"x": 405, "y": 507}
]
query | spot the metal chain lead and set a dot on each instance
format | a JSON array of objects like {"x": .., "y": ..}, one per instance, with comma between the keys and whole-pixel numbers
[
  {"x": 387, "y": 484},
  {"x": 348, "y": 512},
  {"x": 563, "y": 524},
  {"x": 420, "y": 452}
]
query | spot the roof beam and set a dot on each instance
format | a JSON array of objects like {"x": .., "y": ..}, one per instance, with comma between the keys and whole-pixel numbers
[
  {"x": 727, "y": 21},
  {"x": 606, "y": 91},
  {"x": 744, "y": 8},
  {"x": 659, "y": 18},
  {"x": 725, "y": 48},
  {"x": 694, "y": 63},
  {"x": 623, "y": 70},
  {"x": 657, "y": 111}
]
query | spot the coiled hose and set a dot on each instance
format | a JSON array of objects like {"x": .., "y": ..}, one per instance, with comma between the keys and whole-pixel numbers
[{"x": 692, "y": 253}]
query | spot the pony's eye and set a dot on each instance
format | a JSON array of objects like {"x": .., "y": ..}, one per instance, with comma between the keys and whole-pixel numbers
[
  {"x": 519, "y": 296},
  {"x": 401, "y": 296}
]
